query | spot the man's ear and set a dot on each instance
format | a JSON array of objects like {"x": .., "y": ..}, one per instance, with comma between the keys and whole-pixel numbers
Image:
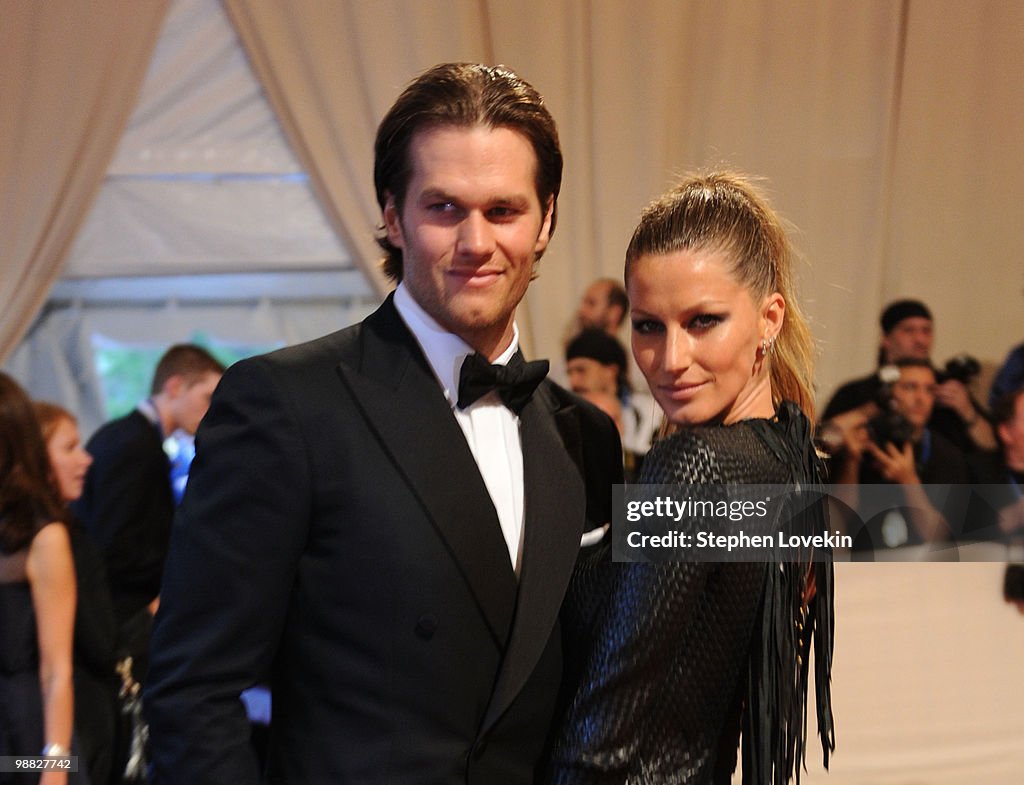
[
  {"x": 1005, "y": 437},
  {"x": 544, "y": 236},
  {"x": 174, "y": 386},
  {"x": 393, "y": 221},
  {"x": 616, "y": 314}
]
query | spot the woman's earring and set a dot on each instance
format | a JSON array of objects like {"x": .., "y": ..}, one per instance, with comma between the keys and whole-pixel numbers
[{"x": 767, "y": 346}]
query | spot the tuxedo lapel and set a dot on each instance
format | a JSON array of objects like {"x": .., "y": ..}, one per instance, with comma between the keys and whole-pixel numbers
[
  {"x": 555, "y": 505},
  {"x": 403, "y": 403}
]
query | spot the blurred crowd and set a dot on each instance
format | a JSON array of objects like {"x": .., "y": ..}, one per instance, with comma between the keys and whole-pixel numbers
[{"x": 84, "y": 529}]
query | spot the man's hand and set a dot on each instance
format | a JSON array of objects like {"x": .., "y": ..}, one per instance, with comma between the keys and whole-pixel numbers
[
  {"x": 853, "y": 425},
  {"x": 896, "y": 465},
  {"x": 953, "y": 394}
]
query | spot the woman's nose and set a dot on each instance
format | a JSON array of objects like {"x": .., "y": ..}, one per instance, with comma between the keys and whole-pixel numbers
[{"x": 678, "y": 353}]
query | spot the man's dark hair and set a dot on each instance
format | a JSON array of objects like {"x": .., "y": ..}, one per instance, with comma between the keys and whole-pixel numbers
[
  {"x": 913, "y": 362},
  {"x": 462, "y": 95},
  {"x": 617, "y": 296},
  {"x": 186, "y": 360},
  {"x": 595, "y": 344},
  {"x": 1005, "y": 407},
  {"x": 896, "y": 312}
]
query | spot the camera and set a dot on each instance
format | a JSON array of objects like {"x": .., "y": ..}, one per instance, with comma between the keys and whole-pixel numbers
[
  {"x": 963, "y": 368},
  {"x": 890, "y": 427}
]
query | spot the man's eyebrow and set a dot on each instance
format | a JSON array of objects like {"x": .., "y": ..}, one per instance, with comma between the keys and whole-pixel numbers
[
  {"x": 518, "y": 200},
  {"x": 435, "y": 193}
]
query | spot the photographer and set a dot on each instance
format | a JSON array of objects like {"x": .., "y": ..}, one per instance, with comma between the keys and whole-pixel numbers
[
  {"x": 908, "y": 333},
  {"x": 897, "y": 446},
  {"x": 1001, "y": 474},
  {"x": 1004, "y": 468}
]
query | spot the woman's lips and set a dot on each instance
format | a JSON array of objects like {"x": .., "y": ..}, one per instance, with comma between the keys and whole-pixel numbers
[{"x": 681, "y": 392}]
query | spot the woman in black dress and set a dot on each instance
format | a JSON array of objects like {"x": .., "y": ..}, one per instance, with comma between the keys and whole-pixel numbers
[
  {"x": 94, "y": 653},
  {"x": 666, "y": 664},
  {"x": 37, "y": 596}
]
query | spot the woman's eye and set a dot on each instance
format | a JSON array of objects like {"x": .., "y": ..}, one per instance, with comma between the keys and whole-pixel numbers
[
  {"x": 705, "y": 321},
  {"x": 646, "y": 326}
]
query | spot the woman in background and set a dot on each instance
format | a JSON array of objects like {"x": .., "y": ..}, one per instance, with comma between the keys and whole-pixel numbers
[
  {"x": 37, "y": 596},
  {"x": 94, "y": 657},
  {"x": 667, "y": 663}
]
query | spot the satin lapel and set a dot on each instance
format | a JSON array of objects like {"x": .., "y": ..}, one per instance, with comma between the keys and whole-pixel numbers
[
  {"x": 403, "y": 403},
  {"x": 555, "y": 505}
]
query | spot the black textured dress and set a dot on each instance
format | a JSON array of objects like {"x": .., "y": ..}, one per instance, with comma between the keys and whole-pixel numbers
[
  {"x": 21, "y": 700},
  {"x": 666, "y": 663}
]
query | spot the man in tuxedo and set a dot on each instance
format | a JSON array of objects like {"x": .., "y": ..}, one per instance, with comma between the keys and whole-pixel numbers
[
  {"x": 127, "y": 504},
  {"x": 384, "y": 520}
]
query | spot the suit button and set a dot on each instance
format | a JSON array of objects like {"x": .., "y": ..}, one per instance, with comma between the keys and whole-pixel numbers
[{"x": 426, "y": 626}]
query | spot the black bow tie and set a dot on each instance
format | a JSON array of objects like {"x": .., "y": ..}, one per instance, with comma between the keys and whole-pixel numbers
[{"x": 514, "y": 382}]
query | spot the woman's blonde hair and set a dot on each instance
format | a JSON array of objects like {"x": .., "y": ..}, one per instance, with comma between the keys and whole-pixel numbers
[{"x": 725, "y": 212}]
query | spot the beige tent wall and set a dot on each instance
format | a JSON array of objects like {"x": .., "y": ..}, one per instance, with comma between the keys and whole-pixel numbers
[
  {"x": 955, "y": 226},
  {"x": 888, "y": 133}
]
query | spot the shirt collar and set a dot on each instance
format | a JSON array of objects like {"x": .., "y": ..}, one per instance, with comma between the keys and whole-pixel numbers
[{"x": 444, "y": 350}]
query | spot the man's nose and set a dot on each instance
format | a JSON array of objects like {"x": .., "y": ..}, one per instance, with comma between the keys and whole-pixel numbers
[{"x": 476, "y": 235}]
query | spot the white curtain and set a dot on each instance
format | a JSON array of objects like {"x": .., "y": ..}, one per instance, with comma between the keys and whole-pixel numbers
[
  {"x": 888, "y": 133},
  {"x": 203, "y": 180},
  {"x": 69, "y": 74}
]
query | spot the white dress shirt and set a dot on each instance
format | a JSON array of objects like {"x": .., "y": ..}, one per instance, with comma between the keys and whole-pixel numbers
[{"x": 491, "y": 428}]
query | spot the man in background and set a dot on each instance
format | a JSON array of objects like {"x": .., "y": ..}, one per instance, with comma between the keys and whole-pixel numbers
[
  {"x": 899, "y": 447},
  {"x": 908, "y": 334},
  {"x": 127, "y": 505},
  {"x": 604, "y": 306},
  {"x": 596, "y": 364}
]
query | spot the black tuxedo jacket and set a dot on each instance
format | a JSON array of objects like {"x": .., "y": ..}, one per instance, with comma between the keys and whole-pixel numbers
[
  {"x": 127, "y": 507},
  {"x": 336, "y": 534}
]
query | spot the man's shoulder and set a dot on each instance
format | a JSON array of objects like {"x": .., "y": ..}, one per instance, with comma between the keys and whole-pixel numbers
[
  {"x": 327, "y": 351},
  {"x": 131, "y": 427},
  {"x": 328, "y": 348},
  {"x": 852, "y": 394},
  {"x": 1015, "y": 355}
]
